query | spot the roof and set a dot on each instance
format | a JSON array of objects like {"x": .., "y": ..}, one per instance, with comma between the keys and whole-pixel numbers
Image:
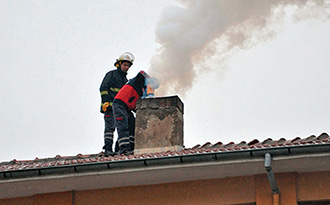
[
  {"x": 201, "y": 162},
  {"x": 269, "y": 145}
]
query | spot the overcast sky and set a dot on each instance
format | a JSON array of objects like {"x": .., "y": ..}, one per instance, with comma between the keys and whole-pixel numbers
[{"x": 54, "y": 55}]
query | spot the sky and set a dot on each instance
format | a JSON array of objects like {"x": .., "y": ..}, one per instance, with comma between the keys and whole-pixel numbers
[{"x": 243, "y": 71}]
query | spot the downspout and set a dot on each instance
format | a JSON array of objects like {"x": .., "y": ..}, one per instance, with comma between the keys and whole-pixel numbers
[{"x": 272, "y": 180}]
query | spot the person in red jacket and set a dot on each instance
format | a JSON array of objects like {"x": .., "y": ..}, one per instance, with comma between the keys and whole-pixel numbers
[{"x": 123, "y": 105}]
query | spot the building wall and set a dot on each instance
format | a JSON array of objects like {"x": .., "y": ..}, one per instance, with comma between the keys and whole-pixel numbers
[
  {"x": 286, "y": 184},
  {"x": 228, "y": 190},
  {"x": 61, "y": 198},
  {"x": 319, "y": 181},
  {"x": 236, "y": 190}
]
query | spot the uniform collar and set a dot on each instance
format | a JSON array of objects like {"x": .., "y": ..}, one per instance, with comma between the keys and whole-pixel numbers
[{"x": 121, "y": 72}]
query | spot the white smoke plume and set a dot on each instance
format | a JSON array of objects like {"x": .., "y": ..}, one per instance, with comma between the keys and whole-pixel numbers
[{"x": 190, "y": 32}]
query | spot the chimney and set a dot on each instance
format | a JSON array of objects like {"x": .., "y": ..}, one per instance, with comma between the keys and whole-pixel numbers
[{"x": 159, "y": 125}]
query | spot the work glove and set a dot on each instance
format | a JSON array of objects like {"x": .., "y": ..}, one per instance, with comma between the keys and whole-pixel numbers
[{"x": 105, "y": 106}]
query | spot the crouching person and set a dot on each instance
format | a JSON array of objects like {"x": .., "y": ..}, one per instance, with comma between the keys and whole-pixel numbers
[{"x": 123, "y": 105}]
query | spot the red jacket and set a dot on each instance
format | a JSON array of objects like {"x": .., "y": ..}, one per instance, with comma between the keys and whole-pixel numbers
[{"x": 132, "y": 90}]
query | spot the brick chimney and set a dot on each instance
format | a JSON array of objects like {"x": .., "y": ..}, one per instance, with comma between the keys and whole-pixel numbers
[{"x": 159, "y": 125}]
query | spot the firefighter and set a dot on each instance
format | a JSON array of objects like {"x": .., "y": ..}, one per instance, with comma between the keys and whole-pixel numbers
[
  {"x": 113, "y": 81},
  {"x": 123, "y": 105}
]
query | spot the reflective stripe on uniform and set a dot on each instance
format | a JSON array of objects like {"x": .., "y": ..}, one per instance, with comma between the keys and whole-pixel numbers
[
  {"x": 131, "y": 139},
  {"x": 112, "y": 89},
  {"x": 108, "y": 135},
  {"x": 123, "y": 143},
  {"x": 124, "y": 140},
  {"x": 104, "y": 92},
  {"x": 115, "y": 89}
]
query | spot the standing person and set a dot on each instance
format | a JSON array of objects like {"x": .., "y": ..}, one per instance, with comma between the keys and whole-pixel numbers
[
  {"x": 113, "y": 81},
  {"x": 123, "y": 105}
]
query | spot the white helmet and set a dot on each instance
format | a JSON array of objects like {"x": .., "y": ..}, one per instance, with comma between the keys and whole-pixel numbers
[{"x": 127, "y": 56}]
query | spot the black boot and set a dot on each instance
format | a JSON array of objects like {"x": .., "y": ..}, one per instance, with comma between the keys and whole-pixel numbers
[
  {"x": 126, "y": 151},
  {"x": 108, "y": 150},
  {"x": 108, "y": 153}
]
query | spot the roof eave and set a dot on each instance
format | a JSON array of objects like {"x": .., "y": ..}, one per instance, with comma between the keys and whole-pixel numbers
[
  {"x": 247, "y": 154},
  {"x": 309, "y": 158}
]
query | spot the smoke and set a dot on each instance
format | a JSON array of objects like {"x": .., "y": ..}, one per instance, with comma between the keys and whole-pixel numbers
[{"x": 193, "y": 31}]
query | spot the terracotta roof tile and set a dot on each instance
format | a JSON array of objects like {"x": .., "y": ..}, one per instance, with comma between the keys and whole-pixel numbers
[
  {"x": 280, "y": 141},
  {"x": 253, "y": 142},
  {"x": 197, "y": 146},
  {"x": 241, "y": 144},
  {"x": 268, "y": 141},
  {"x": 216, "y": 145},
  {"x": 323, "y": 136},
  {"x": 206, "y": 145},
  {"x": 227, "y": 146}
]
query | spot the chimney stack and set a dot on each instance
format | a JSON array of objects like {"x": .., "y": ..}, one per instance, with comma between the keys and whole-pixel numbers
[{"x": 159, "y": 125}]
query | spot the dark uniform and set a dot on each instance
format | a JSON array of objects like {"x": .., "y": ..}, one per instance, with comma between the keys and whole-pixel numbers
[
  {"x": 123, "y": 104},
  {"x": 110, "y": 86}
]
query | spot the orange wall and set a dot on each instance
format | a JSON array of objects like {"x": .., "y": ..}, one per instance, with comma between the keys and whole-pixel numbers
[
  {"x": 64, "y": 198},
  {"x": 286, "y": 184},
  {"x": 17, "y": 201},
  {"x": 293, "y": 187},
  {"x": 61, "y": 198},
  {"x": 319, "y": 180},
  {"x": 217, "y": 191}
]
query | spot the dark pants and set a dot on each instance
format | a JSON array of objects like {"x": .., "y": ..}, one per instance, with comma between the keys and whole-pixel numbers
[
  {"x": 109, "y": 130},
  {"x": 125, "y": 124}
]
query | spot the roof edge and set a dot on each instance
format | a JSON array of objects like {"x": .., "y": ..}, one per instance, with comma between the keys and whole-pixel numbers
[{"x": 165, "y": 160}]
